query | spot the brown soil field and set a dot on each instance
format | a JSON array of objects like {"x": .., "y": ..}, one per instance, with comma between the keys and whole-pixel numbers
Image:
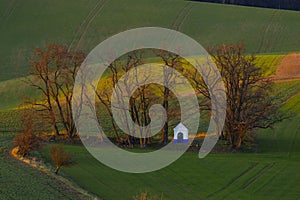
[{"x": 289, "y": 67}]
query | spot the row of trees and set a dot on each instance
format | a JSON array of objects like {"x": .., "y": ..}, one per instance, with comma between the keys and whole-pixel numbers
[
  {"x": 144, "y": 97},
  {"x": 277, "y": 4},
  {"x": 249, "y": 105}
]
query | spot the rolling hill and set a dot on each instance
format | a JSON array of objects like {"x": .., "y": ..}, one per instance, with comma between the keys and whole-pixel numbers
[
  {"x": 269, "y": 173},
  {"x": 25, "y": 25}
]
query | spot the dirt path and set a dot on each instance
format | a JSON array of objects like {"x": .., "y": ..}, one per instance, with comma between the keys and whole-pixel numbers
[{"x": 279, "y": 80}]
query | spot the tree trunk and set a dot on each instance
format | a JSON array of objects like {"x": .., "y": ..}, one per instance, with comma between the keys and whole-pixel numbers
[
  {"x": 72, "y": 131},
  {"x": 53, "y": 123},
  {"x": 166, "y": 125},
  {"x": 223, "y": 135},
  {"x": 56, "y": 170},
  {"x": 235, "y": 140}
]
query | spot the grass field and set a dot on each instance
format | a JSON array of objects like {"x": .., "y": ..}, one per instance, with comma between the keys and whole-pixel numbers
[
  {"x": 219, "y": 176},
  {"x": 19, "y": 181},
  {"x": 84, "y": 24},
  {"x": 270, "y": 173},
  {"x": 269, "y": 63}
]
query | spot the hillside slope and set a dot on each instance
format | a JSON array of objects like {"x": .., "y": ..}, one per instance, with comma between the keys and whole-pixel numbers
[
  {"x": 20, "y": 181},
  {"x": 13, "y": 91},
  {"x": 28, "y": 24}
]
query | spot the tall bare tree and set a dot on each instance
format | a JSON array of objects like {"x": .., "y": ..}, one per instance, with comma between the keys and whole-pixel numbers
[
  {"x": 249, "y": 102},
  {"x": 174, "y": 62},
  {"x": 54, "y": 69},
  {"x": 140, "y": 100}
]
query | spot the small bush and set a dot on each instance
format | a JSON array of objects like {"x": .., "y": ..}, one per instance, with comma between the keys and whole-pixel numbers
[
  {"x": 26, "y": 142},
  {"x": 146, "y": 196},
  {"x": 60, "y": 157}
]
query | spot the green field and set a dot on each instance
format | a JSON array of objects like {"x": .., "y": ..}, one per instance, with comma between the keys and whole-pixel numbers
[
  {"x": 219, "y": 176},
  {"x": 269, "y": 170},
  {"x": 19, "y": 181},
  {"x": 81, "y": 26},
  {"x": 269, "y": 63},
  {"x": 84, "y": 24}
]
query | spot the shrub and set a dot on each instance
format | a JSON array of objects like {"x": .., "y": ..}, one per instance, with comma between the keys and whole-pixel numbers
[
  {"x": 60, "y": 157},
  {"x": 146, "y": 196},
  {"x": 26, "y": 142}
]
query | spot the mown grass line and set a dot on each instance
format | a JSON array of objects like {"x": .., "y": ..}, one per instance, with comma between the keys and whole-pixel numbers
[
  {"x": 260, "y": 173},
  {"x": 267, "y": 180},
  {"x": 80, "y": 28},
  {"x": 234, "y": 180},
  {"x": 176, "y": 20},
  {"x": 89, "y": 24},
  {"x": 266, "y": 30}
]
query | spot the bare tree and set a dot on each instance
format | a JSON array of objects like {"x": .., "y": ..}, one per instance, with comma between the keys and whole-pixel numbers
[
  {"x": 249, "y": 104},
  {"x": 54, "y": 69},
  {"x": 140, "y": 103},
  {"x": 248, "y": 90},
  {"x": 140, "y": 100},
  {"x": 173, "y": 61},
  {"x": 41, "y": 81},
  {"x": 27, "y": 141},
  {"x": 60, "y": 157},
  {"x": 103, "y": 94}
]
